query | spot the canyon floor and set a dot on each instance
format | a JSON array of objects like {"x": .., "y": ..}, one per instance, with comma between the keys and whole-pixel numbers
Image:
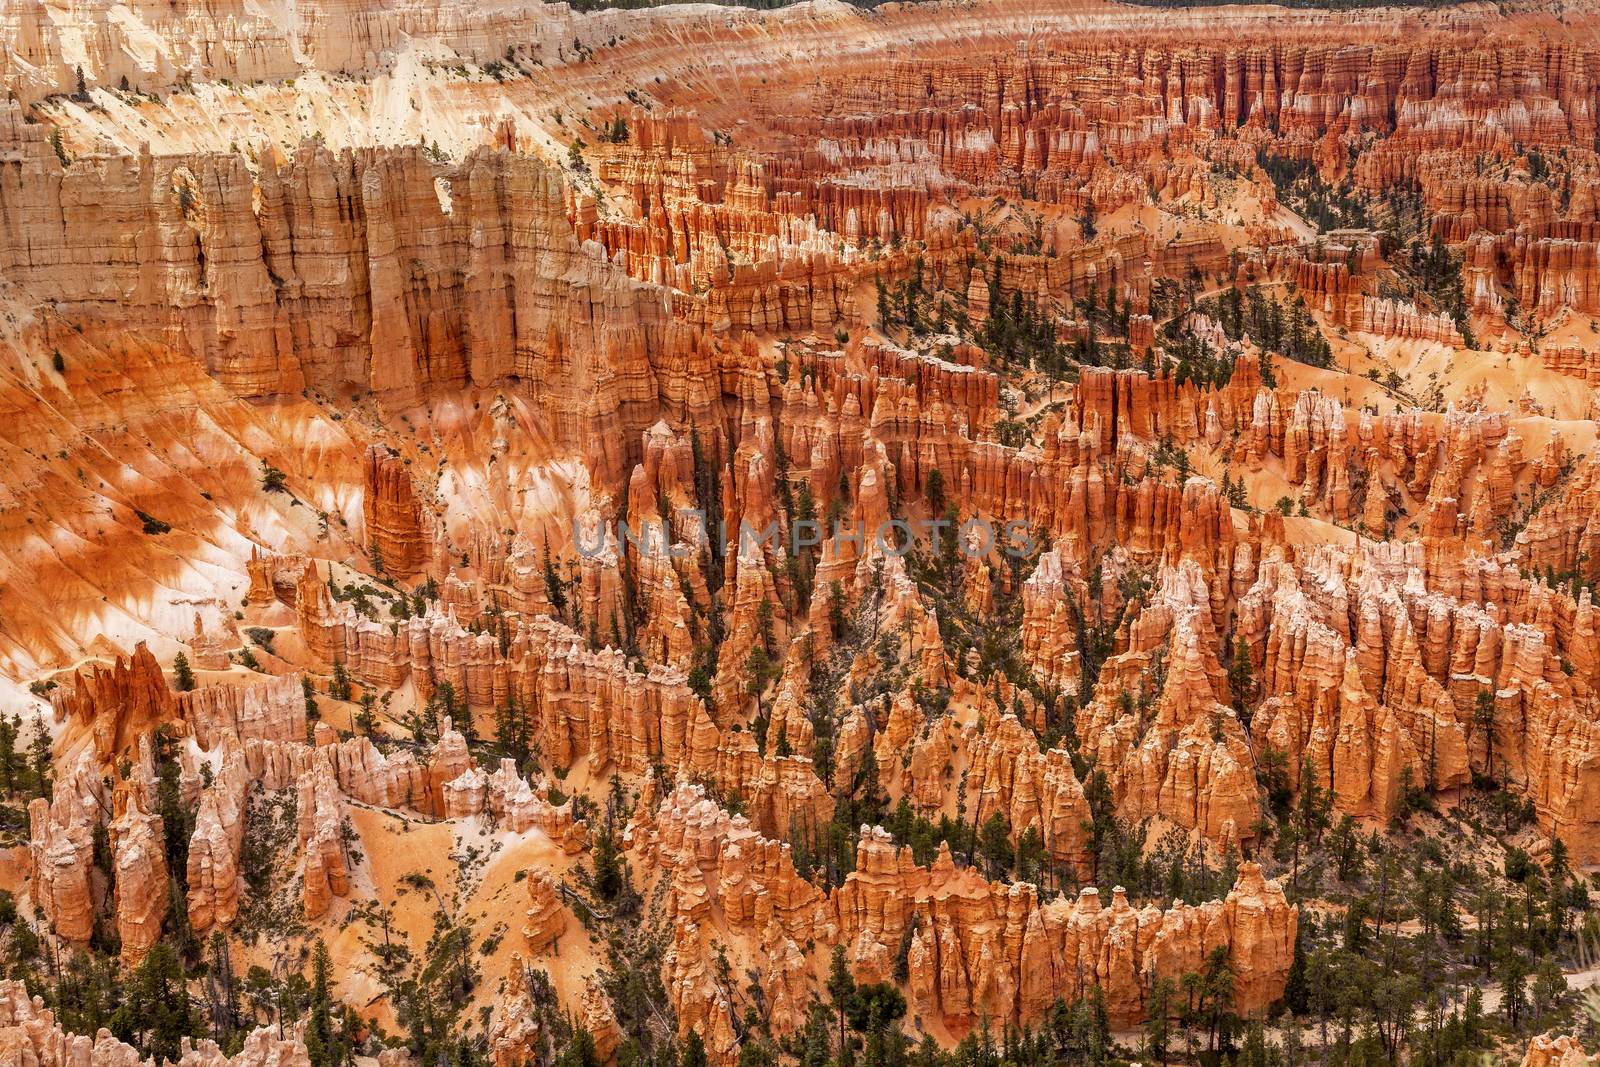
[{"x": 959, "y": 533}]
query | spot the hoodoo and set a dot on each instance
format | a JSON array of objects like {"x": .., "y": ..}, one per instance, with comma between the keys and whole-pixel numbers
[{"x": 1033, "y": 532}]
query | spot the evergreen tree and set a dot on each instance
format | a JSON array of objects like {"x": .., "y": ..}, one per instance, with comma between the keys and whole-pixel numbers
[
  {"x": 182, "y": 674},
  {"x": 608, "y": 871},
  {"x": 1159, "y": 1009},
  {"x": 1483, "y": 719},
  {"x": 1549, "y": 986},
  {"x": 339, "y": 688},
  {"x": 366, "y": 721},
  {"x": 994, "y": 842},
  {"x": 1241, "y": 679},
  {"x": 841, "y": 988},
  {"x": 554, "y": 589},
  {"x": 176, "y": 819},
  {"x": 157, "y": 1015},
  {"x": 1296, "y": 994},
  {"x": 221, "y": 991},
  {"x": 12, "y": 769},
  {"x": 933, "y": 489},
  {"x": 580, "y": 1051},
  {"x": 1514, "y": 989},
  {"x": 322, "y": 1044},
  {"x": 694, "y": 1051},
  {"x": 39, "y": 756}
]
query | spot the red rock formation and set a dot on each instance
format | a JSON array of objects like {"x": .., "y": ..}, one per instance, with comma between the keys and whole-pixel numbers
[
  {"x": 274, "y": 577},
  {"x": 116, "y": 704},
  {"x": 680, "y": 322},
  {"x": 581, "y": 702},
  {"x": 1158, "y": 724},
  {"x": 514, "y": 1033},
  {"x": 595, "y": 1016},
  {"x": 326, "y": 868},
  {"x": 976, "y": 947},
  {"x": 236, "y": 271},
  {"x": 1371, "y": 666},
  {"x": 1391, "y": 318},
  {"x": 547, "y": 919},
  {"x": 451, "y": 764},
  {"x": 1563, "y": 1051},
  {"x": 1049, "y": 629},
  {"x": 394, "y": 518},
  {"x": 980, "y": 947},
  {"x": 29, "y": 1034}
]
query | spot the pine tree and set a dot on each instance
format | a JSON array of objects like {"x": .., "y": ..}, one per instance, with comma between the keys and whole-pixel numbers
[
  {"x": 608, "y": 873},
  {"x": 339, "y": 688},
  {"x": 459, "y": 714},
  {"x": 1159, "y": 1011},
  {"x": 1241, "y": 678},
  {"x": 580, "y": 1051},
  {"x": 182, "y": 674},
  {"x": 156, "y": 1014},
  {"x": 1549, "y": 986},
  {"x": 11, "y": 769},
  {"x": 994, "y": 842},
  {"x": 367, "y": 719},
  {"x": 322, "y": 1046},
  {"x": 176, "y": 820},
  {"x": 1296, "y": 994},
  {"x": 39, "y": 757},
  {"x": 1514, "y": 989},
  {"x": 694, "y": 1051},
  {"x": 933, "y": 489},
  {"x": 512, "y": 733},
  {"x": 555, "y": 592},
  {"x": 1483, "y": 719},
  {"x": 221, "y": 991},
  {"x": 841, "y": 990}
]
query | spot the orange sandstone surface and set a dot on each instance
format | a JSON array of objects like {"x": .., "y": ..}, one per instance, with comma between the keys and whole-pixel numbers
[{"x": 335, "y": 349}]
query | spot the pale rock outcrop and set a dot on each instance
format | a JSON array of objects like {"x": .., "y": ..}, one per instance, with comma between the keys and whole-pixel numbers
[
  {"x": 61, "y": 848},
  {"x": 1049, "y": 630},
  {"x": 514, "y": 1033},
  {"x": 1158, "y": 725},
  {"x": 209, "y": 645},
  {"x": 217, "y": 845},
  {"x": 30, "y": 1035},
  {"x": 274, "y": 709},
  {"x": 547, "y": 918},
  {"x": 139, "y": 852},
  {"x": 1550, "y": 1051},
  {"x": 464, "y": 795},
  {"x": 326, "y": 867},
  {"x": 595, "y": 1016},
  {"x": 450, "y": 763}
]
